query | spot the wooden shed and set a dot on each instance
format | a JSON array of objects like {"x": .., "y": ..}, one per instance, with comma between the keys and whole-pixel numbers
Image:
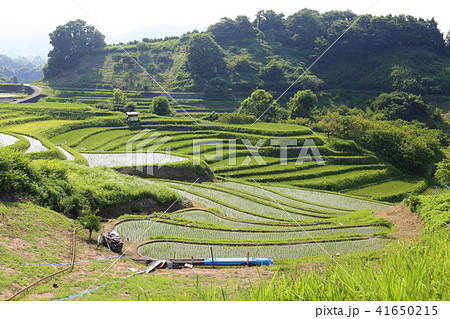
[{"x": 133, "y": 117}]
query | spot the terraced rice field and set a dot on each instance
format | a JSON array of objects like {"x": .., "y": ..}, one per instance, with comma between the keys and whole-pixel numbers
[
  {"x": 35, "y": 145},
  {"x": 212, "y": 218},
  {"x": 68, "y": 156},
  {"x": 246, "y": 219},
  {"x": 227, "y": 151},
  {"x": 327, "y": 198},
  {"x": 168, "y": 249},
  {"x": 130, "y": 159},
  {"x": 7, "y": 140},
  {"x": 142, "y": 229},
  {"x": 258, "y": 207}
]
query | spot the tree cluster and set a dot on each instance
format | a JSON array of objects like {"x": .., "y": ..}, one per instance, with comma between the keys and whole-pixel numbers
[
  {"x": 71, "y": 42},
  {"x": 411, "y": 147},
  {"x": 161, "y": 106}
]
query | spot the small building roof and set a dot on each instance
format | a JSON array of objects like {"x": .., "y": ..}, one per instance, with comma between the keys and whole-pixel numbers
[{"x": 133, "y": 113}]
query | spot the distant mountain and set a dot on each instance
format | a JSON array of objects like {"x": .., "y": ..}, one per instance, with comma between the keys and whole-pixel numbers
[
  {"x": 25, "y": 41},
  {"x": 24, "y": 70}
]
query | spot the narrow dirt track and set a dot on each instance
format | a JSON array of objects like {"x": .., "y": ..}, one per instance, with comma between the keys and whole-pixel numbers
[
  {"x": 409, "y": 224},
  {"x": 36, "y": 92}
]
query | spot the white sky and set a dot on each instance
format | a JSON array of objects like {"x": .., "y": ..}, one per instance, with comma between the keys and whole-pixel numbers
[{"x": 115, "y": 17}]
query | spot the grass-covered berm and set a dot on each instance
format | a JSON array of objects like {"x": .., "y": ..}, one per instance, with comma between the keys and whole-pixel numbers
[{"x": 72, "y": 188}]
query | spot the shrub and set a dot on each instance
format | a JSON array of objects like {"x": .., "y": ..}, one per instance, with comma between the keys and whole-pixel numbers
[
  {"x": 161, "y": 106},
  {"x": 16, "y": 174}
]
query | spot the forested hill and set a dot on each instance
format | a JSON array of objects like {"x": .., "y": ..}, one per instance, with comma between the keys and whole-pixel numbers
[
  {"x": 379, "y": 53},
  {"x": 20, "y": 69}
]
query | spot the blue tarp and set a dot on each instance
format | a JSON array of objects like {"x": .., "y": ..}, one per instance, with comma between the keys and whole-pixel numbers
[{"x": 239, "y": 261}]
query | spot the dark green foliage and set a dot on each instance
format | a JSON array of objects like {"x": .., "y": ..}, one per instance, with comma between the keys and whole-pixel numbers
[
  {"x": 240, "y": 52},
  {"x": 15, "y": 172},
  {"x": 217, "y": 87},
  {"x": 272, "y": 76},
  {"x": 244, "y": 73},
  {"x": 212, "y": 117},
  {"x": 403, "y": 106},
  {"x": 411, "y": 147},
  {"x": 261, "y": 105},
  {"x": 302, "y": 104},
  {"x": 71, "y": 42},
  {"x": 305, "y": 26},
  {"x": 161, "y": 106},
  {"x": 204, "y": 57},
  {"x": 404, "y": 80},
  {"x": 228, "y": 30},
  {"x": 272, "y": 25}
]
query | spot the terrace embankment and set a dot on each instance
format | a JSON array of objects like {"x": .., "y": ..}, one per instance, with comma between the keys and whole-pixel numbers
[
  {"x": 142, "y": 206},
  {"x": 184, "y": 174},
  {"x": 408, "y": 223}
]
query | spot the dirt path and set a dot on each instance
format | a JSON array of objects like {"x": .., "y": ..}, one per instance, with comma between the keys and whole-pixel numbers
[
  {"x": 37, "y": 91},
  {"x": 408, "y": 224}
]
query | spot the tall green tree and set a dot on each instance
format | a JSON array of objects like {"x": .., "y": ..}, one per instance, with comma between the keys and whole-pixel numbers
[
  {"x": 71, "y": 42},
  {"x": 261, "y": 105},
  {"x": 302, "y": 104},
  {"x": 305, "y": 26},
  {"x": 228, "y": 30}
]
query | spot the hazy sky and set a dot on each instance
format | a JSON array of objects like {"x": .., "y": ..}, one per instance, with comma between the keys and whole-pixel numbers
[{"x": 25, "y": 24}]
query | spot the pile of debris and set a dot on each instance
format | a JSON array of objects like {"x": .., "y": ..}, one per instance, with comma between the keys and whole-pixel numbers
[{"x": 111, "y": 240}]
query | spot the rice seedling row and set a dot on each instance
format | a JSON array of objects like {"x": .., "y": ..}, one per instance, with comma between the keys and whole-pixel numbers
[
  {"x": 309, "y": 173},
  {"x": 263, "y": 197},
  {"x": 139, "y": 230},
  {"x": 68, "y": 138},
  {"x": 99, "y": 139},
  {"x": 171, "y": 249},
  {"x": 279, "y": 198},
  {"x": 208, "y": 217},
  {"x": 344, "y": 181},
  {"x": 406, "y": 184},
  {"x": 271, "y": 210},
  {"x": 225, "y": 209},
  {"x": 327, "y": 198}
]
